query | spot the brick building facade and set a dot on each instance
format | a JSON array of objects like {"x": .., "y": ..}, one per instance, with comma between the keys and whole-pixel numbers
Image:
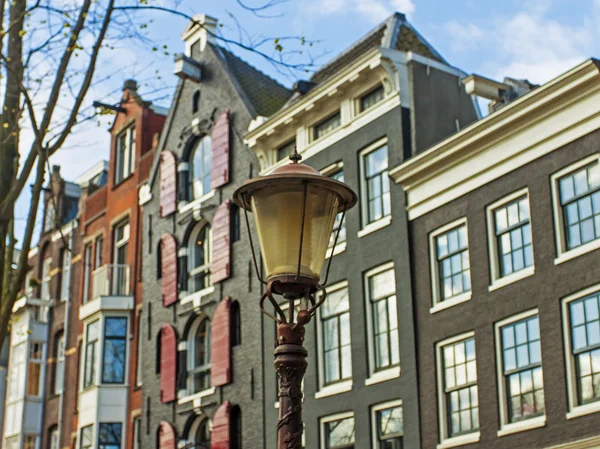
[{"x": 505, "y": 231}]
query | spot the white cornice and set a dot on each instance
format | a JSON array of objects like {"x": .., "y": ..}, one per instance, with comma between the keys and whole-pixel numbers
[{"x": 549, "y": 117}]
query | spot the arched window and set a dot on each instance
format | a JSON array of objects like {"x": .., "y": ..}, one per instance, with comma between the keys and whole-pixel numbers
[
  {"x": 200, "y": 164},
  {"x": 200, "y": 434},
  {"x": 198, "y": 355},
  {"x": 199, "y": 255},
  {"x": 236, "y": 328},
  {"x": 236, "y": 427},
  {"x": 196, "y": 102}
]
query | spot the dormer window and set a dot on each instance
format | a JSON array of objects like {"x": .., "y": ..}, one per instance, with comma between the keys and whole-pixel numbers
[
  {"x": 326, "y": 126},
  {"x": 286, "y": 149},
  {"x": 200, "y": 168},
  {"x": 50, "y": 217},
  {"x": 371, "y": 98},
  {"x": 125, "y": 154}
]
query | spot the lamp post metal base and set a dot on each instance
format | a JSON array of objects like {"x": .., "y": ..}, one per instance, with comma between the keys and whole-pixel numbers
[{"x": 290, "y": 364}]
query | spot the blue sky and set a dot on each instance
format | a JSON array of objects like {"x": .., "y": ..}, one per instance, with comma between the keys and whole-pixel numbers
[{"x": 534, "y": 39}]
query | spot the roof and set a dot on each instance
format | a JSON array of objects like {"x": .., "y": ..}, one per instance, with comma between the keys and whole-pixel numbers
[
  {"x": 394, "y": 33},
  {"x": 265, "y": 94}
]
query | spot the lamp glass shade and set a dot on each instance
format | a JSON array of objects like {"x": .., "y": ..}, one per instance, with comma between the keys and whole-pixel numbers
[{"x": 278, "y": 217}]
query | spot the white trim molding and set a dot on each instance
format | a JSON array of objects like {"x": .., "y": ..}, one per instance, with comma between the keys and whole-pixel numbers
[
  {"x": 524, "y": 130},
  {"x": 376, "y": 376},
  {"x": 575, "y": 409},
  {"x": 562, "y": 253},
  {"x": 328, "y": 419},
  {"x": 378, "y": 408},
  {"x": 445, "y": 440},
  {"x": 367, "y": 227},
  {"x": 437, "y": 303},
  {"x": 499, "y": 281},
  {"x": 506, "y": 427},
  {"x": 341, "y": 386},
  {"x": 586, "y": 443}
]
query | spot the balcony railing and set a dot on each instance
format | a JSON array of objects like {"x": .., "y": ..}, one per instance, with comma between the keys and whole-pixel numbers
[{"x": 111, "y": 280}]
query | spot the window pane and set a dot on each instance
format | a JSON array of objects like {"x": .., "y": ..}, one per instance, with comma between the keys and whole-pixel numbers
[
  {"x": 109, "y": 436},
  {"x": 340, "y": 432},
  {"x": 390, "y": 422}
]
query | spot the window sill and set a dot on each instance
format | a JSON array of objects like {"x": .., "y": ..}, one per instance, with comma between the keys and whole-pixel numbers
[
  {"x": 460, "y": 441},
  {"x": 522, "y": 426},
  {"x": 184, "y": 206},
  {"x": 197, "y": 397},
  {"x": 339, "y": 248},
  {"x": 375, "y": 226},
  {"x": 338, "y": 388},
  {"x": 463, "y": 297},
  {"x": 383, "y": 376},
  {"x": 576, "y": 252},
  {"x": 583, "y": 410},
  {"x": 511, "y": 278},
  {"x": 196, "y": 297}
]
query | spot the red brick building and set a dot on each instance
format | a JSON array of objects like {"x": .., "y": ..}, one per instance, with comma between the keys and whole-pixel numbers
[{"x": 109, "y": 384}]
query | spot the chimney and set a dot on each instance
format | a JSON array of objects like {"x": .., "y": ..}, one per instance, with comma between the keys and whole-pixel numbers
[
  {"x": 201, "y": 29},
  {"x": 498, "y": 93},
  {"x": 130, "y": 85}
]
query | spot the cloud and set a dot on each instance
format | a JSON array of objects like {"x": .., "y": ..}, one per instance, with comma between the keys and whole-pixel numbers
[
  {"x": 373, "y": 11},
  {"x": 463, "y": 37},
  {"x": 406, "y": 6}
]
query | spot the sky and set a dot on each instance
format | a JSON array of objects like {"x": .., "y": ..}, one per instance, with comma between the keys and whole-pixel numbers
[{"x": 533, "y": 39}]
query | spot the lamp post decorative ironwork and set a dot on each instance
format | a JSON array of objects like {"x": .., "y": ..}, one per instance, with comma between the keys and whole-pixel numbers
[{"x": 294, "y": 211}]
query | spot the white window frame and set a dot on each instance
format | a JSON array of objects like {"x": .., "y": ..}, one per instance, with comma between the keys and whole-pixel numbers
[
  {"x": 438, "y": 304},
  {"x": 324, "y": 118},
  {"x": 386, "y": 220},
  {"x": 191, "y": 343},
  {"x": 562, "y": 254},
  {"x": 206, "y": 142},
  {"x": 39, "y": 361},
  {"x": 357, "y": 97},
  {"x": 125, "y": 167},
  {"x": 375, "y": 409},
  {"x": 17, "y": 372},
  {"x": 445, "y": 440},
  {"x": 138, "y": 369},
  {"x": 87, "y": 272},
  {"x": 192, "y": 269},
  {"x": 46, "y": 288},
  {"x": 575, "y": 410},
  {"x": 394, "y": 371},
  {"x": 340, "y": 247},
  {"x": 65, "y": 280},
  {"x": 499, "y": 281},
  {"x": 59, "y": 366},
  {"x": 327, "y": 419},
  {"x": 506, "y": 427},
  {"x": 137, "y": 433},
  {"x": 54, "y": 442},
  {"x": 341, "y": 386}
]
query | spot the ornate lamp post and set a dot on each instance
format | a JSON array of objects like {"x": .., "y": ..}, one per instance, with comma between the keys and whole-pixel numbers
[{"x": 294, "y": 210}]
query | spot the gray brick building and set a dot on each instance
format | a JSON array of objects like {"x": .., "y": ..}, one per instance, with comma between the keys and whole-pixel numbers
[
  {"x": 504, "y": 219},
  {"x": 382, "y": 101}
]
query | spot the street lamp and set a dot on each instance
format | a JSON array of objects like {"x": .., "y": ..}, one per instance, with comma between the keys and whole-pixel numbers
[{"x": 294, "y": 211}]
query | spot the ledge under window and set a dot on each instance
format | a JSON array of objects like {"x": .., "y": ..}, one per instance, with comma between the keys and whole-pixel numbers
[
  {"x": 196, "y": 297},
  {"x": 196, "y": 203},
  {"x": 196, "y": 397},
  {"x": 522, "y": 426},
  {"x": 339, "y": 248},
  {"x": 583, "y": 410},
  {"x": 460, "y": 440},
  {"x": 375, "y": 226},
  {"x": 511, "y": 278},
  {"x": 458, "y": 299},
  {"x": 337, "y": 388},
  {"x": 382, "y": 376},
  {"x": 576, "y": 252}
]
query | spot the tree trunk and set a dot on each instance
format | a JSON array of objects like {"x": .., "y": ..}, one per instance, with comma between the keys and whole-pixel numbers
[{"x": 9, "y": 148}]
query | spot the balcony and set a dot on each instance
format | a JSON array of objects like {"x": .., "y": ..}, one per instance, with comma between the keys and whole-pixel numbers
[{"x": 111, "y": 290}]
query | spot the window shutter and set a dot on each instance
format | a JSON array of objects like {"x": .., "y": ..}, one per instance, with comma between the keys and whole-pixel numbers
[
  {"x": 220, "y": 345},
  {"x": 166, "y": 436},
  {"x": 168, "y": 254},
  {"x": 168, "y": 364},
  {"x": 221, "y": 245},
  {"x": 220, "y": 152},
  {"x": 220, "y": 436},
  {"x": 168, "y": 183}
]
